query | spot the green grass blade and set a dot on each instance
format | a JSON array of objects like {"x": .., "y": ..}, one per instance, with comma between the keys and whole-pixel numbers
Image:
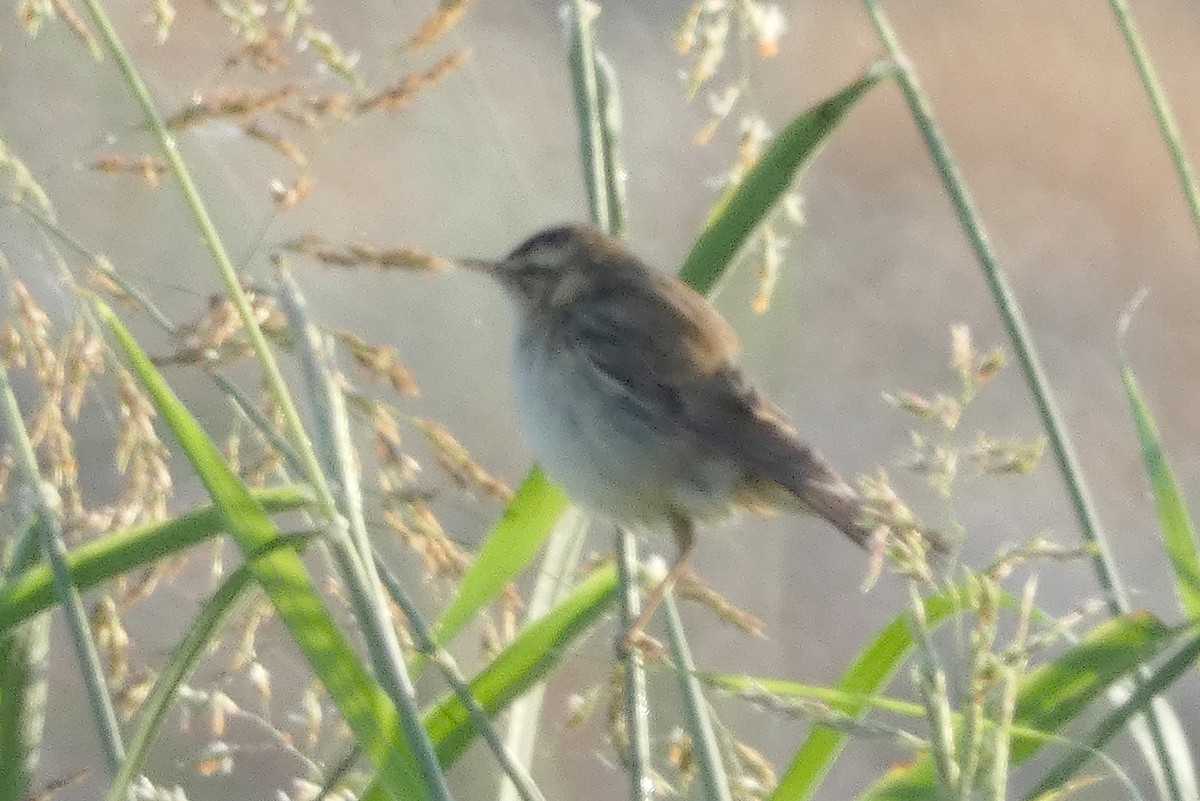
[
  {"x": 538, "y": 648},
  {"x": 364, "y": 706},
  {"x": 869, "y": 672},
  {"x": 740, "y": 210},
  {"x": 713, "y": 777},
  {"x": 1154, "y": 684},
  {"x": 23, "y": 653},
  {"x": 1058, "y": 691},
  {"x": 832, "y": 697},
  {"x": 1054, "y": 694},
  {"x": 509, "y": 546},
  {"x": 554, "y": 580},
  {"x": 527, "y": 660},
  {"x": 103, "y": 558},
  {"x": 1178, "y": 532},
  {"x": 229, "y": 598}
]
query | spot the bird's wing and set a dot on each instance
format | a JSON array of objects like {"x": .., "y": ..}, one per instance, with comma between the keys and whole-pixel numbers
[
  {"x": 652, "y": 345},
  {"x": 680, "y": 371}
]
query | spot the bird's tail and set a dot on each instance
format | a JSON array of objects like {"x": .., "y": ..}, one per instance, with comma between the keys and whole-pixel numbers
[
  {"x": 814, "y": 487},
  {"x": 823, "y": 492}
]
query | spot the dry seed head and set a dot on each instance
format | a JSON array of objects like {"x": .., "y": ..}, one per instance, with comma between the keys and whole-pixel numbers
[
  {"x": 693, "y": 588},
  {"x": 144, "y": 790},
  {"x": 245, "y": 650},
  {"x": 331, "y": 54},
  {"x": 756, "y": 765},
  {"x": 962, "y": 352},
  {"x": 754, "y": 136},
  {"x": 580, "y": 706},
  {"x": 768, "y": 26},
  {"x": 220, "y": 707},
  {"x": 163, "y": 17},
  {"x": 33, "y": 13},
  {"x": 712, "y": 35},
  {"x": 304, "y": 790},
  {"x": 403, "y": 93},
  {"x": 445, "y": 17},
  {"x": 99, "y": 277},
  {"x": 78, "y": 27},
  {"x": 719, "y": 106},
  {"x": 24, "y": 187},
  {"x": 245, "y": 18},
  {"x": 768, "y": 269},
  {"x": 938, "y": 464},
  {"x": 1006, "y": 456},
  {"x": 422, "y": 532},
  {"x": 150, "y": 169},
  {"x": 260, "y": 679},
  {"x": 237, "y": 103},
  {"x": 264, "y": 54},
  {"x": 12, "y": 351},
  {"x": 355, "y": 255},
  {"x": 317, "y": 110},
  {"x": 141, "y": 456},
  {"x": 35, "y": 324},
  {"x": 942, "y": 409},
  {"x": 82, "y": 358},
  {"x": 314, "y": 714},
  {"x": 682, "y": 756},
  {"x": 685, "y": 32},
  {"x": 111, "y": 637},
  {"x": 989, "y": 365},
  {"x": 288, "y": 148},
  {"x": 147, "y": 580},
  {"x": 131, "y": 697},
  {"x": 382, "y": 363},
  {"x": 455, "y": 459},
  {"x": 217, "y": 760},
  {"x": 292, "y": 12},
  {"x": 288, "y": 196}
]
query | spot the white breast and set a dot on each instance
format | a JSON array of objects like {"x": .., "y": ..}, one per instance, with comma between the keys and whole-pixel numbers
[{"x": 609, "y": 455}]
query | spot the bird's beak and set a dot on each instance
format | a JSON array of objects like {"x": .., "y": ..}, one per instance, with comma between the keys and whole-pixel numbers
[{"x": 478, "y": 265}]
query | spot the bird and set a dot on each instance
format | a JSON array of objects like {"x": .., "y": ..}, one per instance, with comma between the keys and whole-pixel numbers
[{"x": 628, "y": 389}]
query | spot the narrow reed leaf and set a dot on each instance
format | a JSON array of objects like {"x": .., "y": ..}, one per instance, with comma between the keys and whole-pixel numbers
[
  {"x": 528, "y": 660},
  {"x": 1178, "y": 531},
  {"x": 586, "y": 91},
  {"x": 207, "y": 625},
  {"x": 704, "y": 740},
  {"x": 554, "y": 581},
  {"x": 1168, "y": 125},
  {"x": 42, "y": 499},
  {"x": 739, "y": 211},
  {"x": 347, "y": 536},
  {"x": 1053, "y": 695},
  {"x": 608, "y": 98},
  {"x": 870, "y": 671},
  {"x": 635, "y": 706},
  {"x": 769, "y": 692},
  {"x": 103, "y": 558},
  {"x": 1152, "y": 685},
  {"x": 363, "y": 704},
  {"x": 23, "y": 654},
  {"x": 509, "y": 546}
]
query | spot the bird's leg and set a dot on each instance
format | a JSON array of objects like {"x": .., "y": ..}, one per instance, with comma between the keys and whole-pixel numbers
[{"x": 684, "y": 538}]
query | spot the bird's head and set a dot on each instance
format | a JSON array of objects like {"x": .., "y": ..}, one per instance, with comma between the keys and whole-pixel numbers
[{"x": 559, "y": 266}]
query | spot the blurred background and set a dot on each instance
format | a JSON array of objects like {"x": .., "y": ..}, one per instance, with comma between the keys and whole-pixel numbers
[{"x": 1041, "y": 105}]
